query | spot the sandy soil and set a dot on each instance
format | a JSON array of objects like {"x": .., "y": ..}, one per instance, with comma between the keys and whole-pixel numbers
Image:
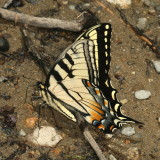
[{"x": 129, "y": 56}]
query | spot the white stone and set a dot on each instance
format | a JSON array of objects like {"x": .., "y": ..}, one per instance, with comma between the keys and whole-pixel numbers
[
  {"x": 128, "y": 131},
  {"x": 142, "y": 94},
  {"x": 44, "y": 136},
  {"x": 22, "y": 133},
  {"x": 156, "y": 66},
  {"x": 122, "y": 3}
]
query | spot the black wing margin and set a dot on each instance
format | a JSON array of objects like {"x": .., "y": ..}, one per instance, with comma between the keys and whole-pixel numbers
[{"x": 101, "y": 37}]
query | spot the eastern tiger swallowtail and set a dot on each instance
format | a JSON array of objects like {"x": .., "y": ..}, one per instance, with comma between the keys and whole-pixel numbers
[{"x": 79, "y": 81}]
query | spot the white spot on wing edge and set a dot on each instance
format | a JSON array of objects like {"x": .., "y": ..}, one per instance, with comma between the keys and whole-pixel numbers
[
  {"x": 113, "y": 95},
  {"x": 107, "y": 26}
]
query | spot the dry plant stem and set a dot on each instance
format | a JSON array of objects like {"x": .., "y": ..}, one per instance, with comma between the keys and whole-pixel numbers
[
  {"x": 74, "y": 25},
  {"x": 88, "y": 137},
  {"x": 93, "y": 143}
]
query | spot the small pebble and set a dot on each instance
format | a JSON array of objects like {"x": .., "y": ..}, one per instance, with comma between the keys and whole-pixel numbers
[
  {"x": 130, "y": 63},
  {"x": 72, "y": 7},
  {"x": 156, "y": 66},
  {"x": 142, "y": 23},
  {"x": 142, "y": 94},
  {"x": 128, "y": 131},
  {"x": 108, "y": 136},
  {"x": 118, "y": 67},
  {"x": 111, "y": 157},
  {"x": 64, "y": 2},
  {"x": 45, "y": 136},
  {"x": 22, "y": 133},
  {"x": 31, "y": 122},
  {"x": 4, "y": 45},
  {"x": 124, "y": 101},
  {"x": 133, "y": 72},
  {"x": 146, "y": 2},
  {"x": 150, "y": 80},
  {"x": 152, "y": 12}
]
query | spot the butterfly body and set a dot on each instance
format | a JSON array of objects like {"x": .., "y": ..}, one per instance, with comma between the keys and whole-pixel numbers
[{"x": 79, "y": 81}]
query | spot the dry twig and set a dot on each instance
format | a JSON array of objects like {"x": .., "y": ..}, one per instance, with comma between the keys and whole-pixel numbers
[{"x": 74, "y": 25}]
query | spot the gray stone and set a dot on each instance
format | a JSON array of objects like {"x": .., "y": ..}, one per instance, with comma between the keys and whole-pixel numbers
[
  {"x": 128, "y": 131},
  {"x": 142, "y": 94},
  {"x": 142, "y": 23}
]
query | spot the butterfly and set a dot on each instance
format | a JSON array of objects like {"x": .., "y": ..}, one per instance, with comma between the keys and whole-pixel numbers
[{"x": 79, "y": 82}]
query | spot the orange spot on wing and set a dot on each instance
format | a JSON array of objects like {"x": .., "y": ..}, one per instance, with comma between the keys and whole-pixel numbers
[
  {"x": 101, "y": 127},
  {"x": 105, "y": 102},
  {"x": 97, "y": 91},
  {"x": 89, "y": 84},
  {"x": 111, "y": 127}
]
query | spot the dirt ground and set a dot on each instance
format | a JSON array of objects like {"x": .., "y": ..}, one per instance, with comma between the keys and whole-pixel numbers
[{"x": 129, "y": 56}]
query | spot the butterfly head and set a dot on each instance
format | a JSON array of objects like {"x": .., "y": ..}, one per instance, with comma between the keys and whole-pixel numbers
[{"x": 41, "y": 87}]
